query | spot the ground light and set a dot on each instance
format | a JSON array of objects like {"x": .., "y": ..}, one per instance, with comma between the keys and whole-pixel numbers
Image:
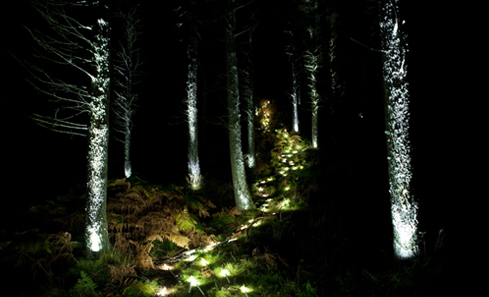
[
  {"x": 225, "y": 273},
  {"x": 162, "y": 292},
  {"x": 228, "y": 269},
  {"x": 245, "y": 290},
  {"x": 193, "y": 283}
]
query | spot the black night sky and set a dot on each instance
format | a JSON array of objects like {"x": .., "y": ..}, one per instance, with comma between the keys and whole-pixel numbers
[{"x": 40, "y": 164}]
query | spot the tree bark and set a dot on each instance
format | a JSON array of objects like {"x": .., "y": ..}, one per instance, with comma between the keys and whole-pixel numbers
[
  {"x": 404, "y": 208},
  {"x": 241, "y": 192},
  {"x": 96, "y": 233},
  {"x": 195, "y": 178}
]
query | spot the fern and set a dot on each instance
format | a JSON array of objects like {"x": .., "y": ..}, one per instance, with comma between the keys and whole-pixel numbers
[
  {"x": 184, "y": 222},
  {"x": 85, "y": 286}
]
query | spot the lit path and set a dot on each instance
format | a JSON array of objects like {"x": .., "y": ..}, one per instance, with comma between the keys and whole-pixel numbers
[{"x": 286, "y": 162}]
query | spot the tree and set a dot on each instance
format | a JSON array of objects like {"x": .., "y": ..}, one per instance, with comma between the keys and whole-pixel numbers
[
  {"x": 312, "y": 57},
  {"x": 336, "y": 88},
  {"x": 194, "y": 177},
  {"x": 84, "y": 49},
  {"x": 241, "y": 193},
  {"x": 247, "y": 93},
  {"x": 404, "y": 208},
  {"x": 291, "y": 52},
  {"x": 126, "y": 65}
]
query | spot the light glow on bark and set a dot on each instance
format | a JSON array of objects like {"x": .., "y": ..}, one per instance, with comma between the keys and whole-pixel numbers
[
  {"x": 96, "y": 233},
  {"x": 241, "y": 193},
  {"x": 194, "y": 178},
  {"x": 404, "y": 208},
  {"x": 95, "y": 243},
  {"x": 311, "y": 65}
]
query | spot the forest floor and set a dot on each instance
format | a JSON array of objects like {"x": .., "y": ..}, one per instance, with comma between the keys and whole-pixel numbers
[{"x": 169, "y": 240}]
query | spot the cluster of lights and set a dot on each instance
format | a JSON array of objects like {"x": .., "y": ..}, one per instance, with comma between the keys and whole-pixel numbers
[
  {"x": 193, "y": 282},
  {"x": 265, "y": 110},
  {"x": 290, "y": 151}
]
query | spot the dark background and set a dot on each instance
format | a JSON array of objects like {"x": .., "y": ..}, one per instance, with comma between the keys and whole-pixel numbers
[{"x": 40, "y": 164}]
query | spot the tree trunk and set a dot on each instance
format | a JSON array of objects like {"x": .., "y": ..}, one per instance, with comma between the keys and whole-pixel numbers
[
  {"x": 291, "y": 52},
  {"x": 404, "y": 208},
  {"x": 126, "y": 66},
  {"x": 96, "y": 234},
  {"x": 247, "y": 84},
  {"x": 311, "y": 62},
  {"x": 311, "y": 65},
  {"x": 241, "y": 192},
  {"x": 295, "y": 99},
  {"x": 195, "y": 178},
  {"x": 127, "y": 150}
]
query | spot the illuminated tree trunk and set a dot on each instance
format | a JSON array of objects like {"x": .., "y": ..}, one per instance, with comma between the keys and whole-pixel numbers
[
  {"x": 84, "y": 49},
  {"x": 332, "y": 56},
  {"x": 195, "y": 178},
  {"x": 295, "y": 100},
  {"x": 404, "y": 208},
  {"x": 295, "y": 95},
  {"x": 311, "y": 63},
  {"x": 127, "y": 67},
  {"x": 96, "y": 234},
  {"x": 247, "y": 85},
  {"x": 241, "y": 193}
]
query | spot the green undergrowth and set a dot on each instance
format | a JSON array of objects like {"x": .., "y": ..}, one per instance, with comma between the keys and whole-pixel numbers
[{"x": 292, "y": 244}]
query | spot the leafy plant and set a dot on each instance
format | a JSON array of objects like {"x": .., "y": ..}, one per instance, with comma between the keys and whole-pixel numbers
[{"x": 85, "y": 286}]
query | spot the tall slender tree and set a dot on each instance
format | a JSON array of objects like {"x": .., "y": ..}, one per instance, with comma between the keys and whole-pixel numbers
[
  {"x": 291, "y": 52},
  {"x": 241, "y": 192},
  {"x": 335, "y": 86},
  {"x": 84, "y": 49},
  {"x": 126, "y": 64},
  {"x": 195, "y": 178},
  {"x": 248, "y": 95},
  {"x": 312, "y": 56},
  {"x": 189, "y": 18},
  {"x": 404, "y": 208}
]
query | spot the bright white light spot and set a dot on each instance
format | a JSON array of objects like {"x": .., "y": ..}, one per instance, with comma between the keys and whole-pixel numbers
[
  {"x": 251, "y": 161},
  {"x": 191, "y": 258},
  {"x": 128, "y": 171},
  {"x": 192, "y": 281},
  {"x": 162, "y": 292},
  {"x": 94, "y": 240},
  {"x": 244, "y": 289}
]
